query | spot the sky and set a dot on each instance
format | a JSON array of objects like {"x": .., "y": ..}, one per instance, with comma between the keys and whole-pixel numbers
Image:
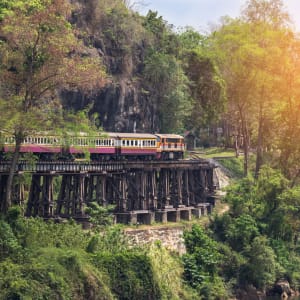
[{"x": 201, "y": 13}]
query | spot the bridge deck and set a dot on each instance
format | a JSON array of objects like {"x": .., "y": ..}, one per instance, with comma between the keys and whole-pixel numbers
[
  {"x": 141, "y": 191},
  {"x": 61, "y": 167}
]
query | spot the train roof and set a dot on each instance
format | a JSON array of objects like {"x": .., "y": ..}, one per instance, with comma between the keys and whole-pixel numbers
[
  {"x": 169, "y": 136},
  {"x": 131, "y": 135}
]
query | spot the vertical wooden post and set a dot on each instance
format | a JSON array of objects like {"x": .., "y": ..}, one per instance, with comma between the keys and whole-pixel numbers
[
  {"x": 185, "y": 188},
  {"x": 179, "y": 173}
]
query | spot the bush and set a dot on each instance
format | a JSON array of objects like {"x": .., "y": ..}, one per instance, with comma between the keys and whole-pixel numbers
[{"x": 130, "y": 273}]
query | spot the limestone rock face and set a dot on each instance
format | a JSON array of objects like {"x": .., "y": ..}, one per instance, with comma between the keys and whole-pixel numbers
[
  {"x": 281, "y": 287},
  {"x": 128, "y": 103},
  {"x": 121, "y": 108}
]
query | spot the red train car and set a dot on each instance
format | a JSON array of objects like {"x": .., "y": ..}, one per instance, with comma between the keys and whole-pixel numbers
[{"x": 106, "y": 146}]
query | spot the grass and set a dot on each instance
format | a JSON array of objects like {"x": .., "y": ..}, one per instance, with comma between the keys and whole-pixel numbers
[{"x": 212, "y": 152}]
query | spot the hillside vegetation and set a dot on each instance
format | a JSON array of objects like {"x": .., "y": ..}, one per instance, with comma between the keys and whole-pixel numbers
[{"x": 71, "y": 66}]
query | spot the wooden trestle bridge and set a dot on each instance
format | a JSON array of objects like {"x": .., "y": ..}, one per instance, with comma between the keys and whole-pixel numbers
[{"x": 142, "y": 191}]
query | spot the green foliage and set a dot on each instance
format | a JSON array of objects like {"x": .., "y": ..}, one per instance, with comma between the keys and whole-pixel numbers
[
  {"x": 260, "y": 231},
  {"x": 240, "y": 196},
  {"x": 201, "y": 263},
  {"x": 242, "y": 231},
  {"x": 110, "y": 239},
  {"x": 130, "y": 273},
  {"x": 234, "y": 165},
  {"x": 100, "y": 215},
  {"x": 35, "y": 233},
  {"x": 167, "y": 80},
  {"x": 9, "y": 244},
  {"x": 167, "y": 271},
  {"x": 260, "y": 269}
]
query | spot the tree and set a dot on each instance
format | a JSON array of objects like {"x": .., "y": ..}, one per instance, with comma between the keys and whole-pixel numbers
[
  {"x": 39, "y": 55},
  {"x": 270, "y": 23},
  {"x": 235, "y": 54},
  {"x": 248, "y": 51},
  {"x": 260, "y": 269},
  {"x": 287, "y": 141},
  {"x": 206, "y": 85},
  {"x": 164, "y": 77}
]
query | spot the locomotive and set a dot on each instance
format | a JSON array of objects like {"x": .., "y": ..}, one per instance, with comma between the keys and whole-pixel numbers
[{"x": 106, "y": 146}]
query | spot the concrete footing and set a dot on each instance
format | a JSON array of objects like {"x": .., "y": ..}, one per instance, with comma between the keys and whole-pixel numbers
[{"x": 164, "y": 215}]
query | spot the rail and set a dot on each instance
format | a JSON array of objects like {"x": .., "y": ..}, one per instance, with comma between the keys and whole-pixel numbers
[
  {"x": 97, "y": 167},
  {"x": 62, "y": 167}
]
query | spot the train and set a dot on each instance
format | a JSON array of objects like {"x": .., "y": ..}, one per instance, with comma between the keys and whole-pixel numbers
[{"x": 102, "y": 147}]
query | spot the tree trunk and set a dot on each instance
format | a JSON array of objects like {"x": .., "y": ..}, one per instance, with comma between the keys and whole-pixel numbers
[
  {"x": 259, "y": 154},
  {"x": 246, "y": 156},
  {"x": 15, "y": 159},
  {"x": 236, "y": 146},
  {"x": 246, "y": 141}
]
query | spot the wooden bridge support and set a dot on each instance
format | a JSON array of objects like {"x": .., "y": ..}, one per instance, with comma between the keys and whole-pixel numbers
[
  {"x": 140, "y": 191},
  {"x": 96, "y": 189},
  {"x": 71, "y": 199},
  {"x": 40, "y": 201}
]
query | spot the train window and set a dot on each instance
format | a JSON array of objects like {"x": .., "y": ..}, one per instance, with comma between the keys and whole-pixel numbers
[
  {"x": 135, "y": 143},
  {"x": 7, "y": 140}
]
